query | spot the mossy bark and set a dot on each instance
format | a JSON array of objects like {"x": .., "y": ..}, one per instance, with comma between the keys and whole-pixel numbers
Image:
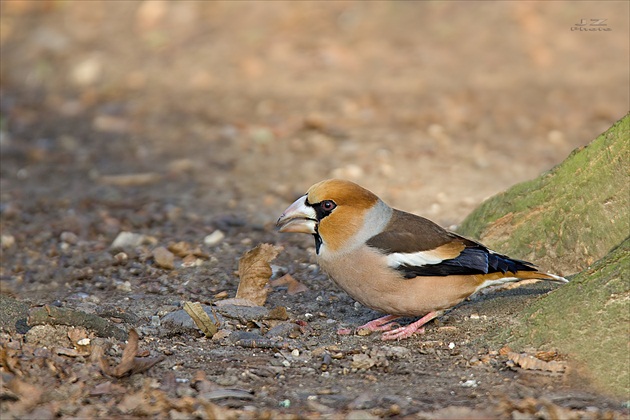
[
  {"x": 588, "y": 319},
  {"x": 574, "y": 218},
  {"x": 569, "y": 217}
]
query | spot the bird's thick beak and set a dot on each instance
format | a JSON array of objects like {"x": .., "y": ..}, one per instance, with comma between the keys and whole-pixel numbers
[{"x": 298, "y": 217}]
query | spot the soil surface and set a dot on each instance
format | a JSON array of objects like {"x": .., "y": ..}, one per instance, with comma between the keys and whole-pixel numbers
[{"x": 176, "y": 120}]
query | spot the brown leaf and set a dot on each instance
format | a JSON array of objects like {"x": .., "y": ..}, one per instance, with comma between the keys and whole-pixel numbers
[
  {"x": 293, "y": 286},
  {"x": 129, "y": 364},
  {"x": 77, "y": 334},
  {"x": 29, "y": 395},
  {"x": 527, "y": 362},
  {"x": 255, "y": 271}
]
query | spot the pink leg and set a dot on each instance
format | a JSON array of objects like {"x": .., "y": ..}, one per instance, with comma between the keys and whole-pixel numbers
[
  {"x": 409, "y": 330},
  {"x": 380, "y": 324}
]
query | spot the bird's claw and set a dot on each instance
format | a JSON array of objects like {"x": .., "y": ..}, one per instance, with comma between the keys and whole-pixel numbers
[{"x": 401, "y": 333}]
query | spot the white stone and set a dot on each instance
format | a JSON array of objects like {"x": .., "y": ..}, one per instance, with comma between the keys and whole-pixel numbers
[{"x": 214, "y": 238}]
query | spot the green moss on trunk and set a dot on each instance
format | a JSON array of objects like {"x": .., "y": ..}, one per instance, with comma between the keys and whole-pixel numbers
[
  {"x": 569, "y": 217},
  {"x": 589, "y": 320},
  {"x": 565, "y": 220}
]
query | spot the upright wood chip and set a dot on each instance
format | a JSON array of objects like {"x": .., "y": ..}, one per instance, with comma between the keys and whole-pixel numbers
[
  {"x": 201, "y": 318},
  {"x": 255, "y": 271}
]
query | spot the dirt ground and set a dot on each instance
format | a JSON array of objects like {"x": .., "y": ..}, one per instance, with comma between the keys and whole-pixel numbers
[{"x": 174, "y": 120}]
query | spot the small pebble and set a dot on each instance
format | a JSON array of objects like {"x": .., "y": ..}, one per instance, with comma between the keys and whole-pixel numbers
[
  {"x": 471, "y": 383},
  {"x": 128, "y": 239},
  {"x": 214, "y": 238},
  {"x": 121, "y": 258},
  {"x": 164, "y": 258},
  {"x": 69, "y": 238},
  {"x": 295, "y": 353},
  {"x": 7, "y": 241}
]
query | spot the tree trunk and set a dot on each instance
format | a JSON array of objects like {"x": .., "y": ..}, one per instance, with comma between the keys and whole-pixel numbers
[{"x": 566, "y": 220}]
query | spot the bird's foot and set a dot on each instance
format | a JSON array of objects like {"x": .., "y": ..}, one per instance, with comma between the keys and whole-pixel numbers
[
  {"x": 401, "y": 333},
  {"x": 409, "y": 330},
  {"x": 381, "y": 324}
]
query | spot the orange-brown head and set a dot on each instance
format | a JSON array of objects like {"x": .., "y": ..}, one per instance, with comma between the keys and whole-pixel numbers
[{"x": 341, "y": 214}]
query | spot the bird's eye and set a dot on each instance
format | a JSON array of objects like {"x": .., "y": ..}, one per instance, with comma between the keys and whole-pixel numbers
[{"x": 328, "y": 205}]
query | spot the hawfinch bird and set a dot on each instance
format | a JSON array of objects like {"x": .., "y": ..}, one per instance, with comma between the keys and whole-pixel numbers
[{"x": 396, "y": 262}]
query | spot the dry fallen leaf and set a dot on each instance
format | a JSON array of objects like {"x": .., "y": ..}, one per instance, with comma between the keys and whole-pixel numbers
[
  {"x": 293, "y": 286},
  {"x": 201, "y": 318},
  {"x": 527, "y": 362},
  {"x": 129, "y": 364},
  {"x": 255, "y": 271}
]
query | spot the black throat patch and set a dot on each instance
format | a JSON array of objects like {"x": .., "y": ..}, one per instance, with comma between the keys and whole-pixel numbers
[{"x": 318, "y": 240}]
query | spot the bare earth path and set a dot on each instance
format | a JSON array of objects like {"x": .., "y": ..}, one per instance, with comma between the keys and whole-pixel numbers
[{"x": 174, "y": 120}]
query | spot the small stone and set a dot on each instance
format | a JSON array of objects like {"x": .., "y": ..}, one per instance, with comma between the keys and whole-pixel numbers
[
  {"x": 191, "y": 261},
  {"x": 214, "y": 238},
  {"x": 284, "y": 329},
  {"x": 128, "y": 240},
  {"x": 181, "y": 249},
  {"x": 451, "y": 345},
  {"x": 295, "y": 353},
  {"x": 124, "y": 286},
  {"x": 396, "y": 351},
  {"x": 364, "y": 332},
  {"x": 121, "y": 258},
  {"x": 69, "y": 238},
  {"x": 84, "y": 342},
  {"x": 87, "y": 71},
  {"x": 362, "y": 361},
  {"x": 221, "y": 334},
  {"x": 471, "y": 383},
  {"x": 164, "y": 258},
  {"x": 7, "y": 241}
]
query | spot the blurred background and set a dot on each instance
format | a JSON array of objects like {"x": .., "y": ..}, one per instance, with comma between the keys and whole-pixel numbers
[{"x": 240, "y": 106}]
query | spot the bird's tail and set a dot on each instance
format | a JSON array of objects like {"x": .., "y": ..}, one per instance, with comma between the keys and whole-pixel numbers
[{"x": 524, "y": 275}]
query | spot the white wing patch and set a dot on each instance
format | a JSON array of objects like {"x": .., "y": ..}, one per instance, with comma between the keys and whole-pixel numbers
[
  {"x": 495, "y": 282},
  {"x": 414, "y": 259}
]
